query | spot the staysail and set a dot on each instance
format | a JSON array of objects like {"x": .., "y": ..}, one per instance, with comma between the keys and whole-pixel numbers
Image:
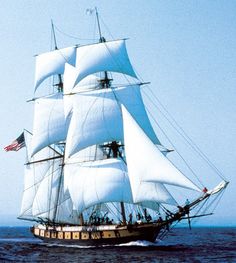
[{"x": 155, "y": 168}]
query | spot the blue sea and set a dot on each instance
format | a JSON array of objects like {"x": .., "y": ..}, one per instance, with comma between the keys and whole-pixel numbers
[{"x": 181, "y": 245}]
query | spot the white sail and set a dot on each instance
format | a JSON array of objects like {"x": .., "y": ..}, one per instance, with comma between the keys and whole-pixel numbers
[
  {"x": 53, "y": 62},
  {"x": 97, "y": 117},
  {"x": 46, "y": 192},
  {"x": 144, "y": 192},
  {"x": 106, "y": 56},
  {"x": 50, "y": 125},
  {"x": 35, "y": 171},
  {"x": 92, "y": 183},
  {"x": 45, "y": 201},
  {"x": 103, "y": 181},
  {"x": 151, "y": 205},
  {"x": 146, "y": 163},
  {"x": 91, "y": 153},
  {"x": 88, "y": 83},
  {"x": 32, "y": 178},
  {"x": 70, "y": 75}
]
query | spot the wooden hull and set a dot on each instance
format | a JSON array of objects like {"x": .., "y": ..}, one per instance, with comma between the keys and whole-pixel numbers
[
  {"x": 117, "y": 234},
  {"x": 97, "y": 235}
]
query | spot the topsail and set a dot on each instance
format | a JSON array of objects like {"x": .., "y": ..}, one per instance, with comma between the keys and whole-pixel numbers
[{"x": 53, "y": 63}]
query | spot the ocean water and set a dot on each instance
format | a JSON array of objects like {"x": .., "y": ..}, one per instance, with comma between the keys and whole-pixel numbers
[{"x": 181, "y": 245}]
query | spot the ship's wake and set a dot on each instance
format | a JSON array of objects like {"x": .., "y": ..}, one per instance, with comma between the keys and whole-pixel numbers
[
  {"x": 142, "y": 243},
  {"x": 138, "y": 243}
]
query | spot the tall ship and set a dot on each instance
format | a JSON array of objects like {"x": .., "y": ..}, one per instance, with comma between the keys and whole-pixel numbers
[{"x": 95, "y": 171}]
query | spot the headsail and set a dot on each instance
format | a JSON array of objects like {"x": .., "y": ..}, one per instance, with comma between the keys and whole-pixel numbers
[
  {"x": 155, "y": 168},
  {"x": 150, "y": 192}
]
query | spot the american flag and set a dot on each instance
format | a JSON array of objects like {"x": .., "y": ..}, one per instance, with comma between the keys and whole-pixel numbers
[{"x": 17, "y": 144}]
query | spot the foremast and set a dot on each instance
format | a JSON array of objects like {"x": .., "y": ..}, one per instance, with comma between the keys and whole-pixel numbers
[
  {"x": 59, "y": 86},
  {"x": 60, "y": 82}
]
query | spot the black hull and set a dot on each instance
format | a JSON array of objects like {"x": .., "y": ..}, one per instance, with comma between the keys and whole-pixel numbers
[
  {"x": 97, "y": 236},
  {"x": 117, "y": 234}
]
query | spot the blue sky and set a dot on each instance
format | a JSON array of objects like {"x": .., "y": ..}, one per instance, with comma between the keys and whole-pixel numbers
[{"x": 186, "y": 49}]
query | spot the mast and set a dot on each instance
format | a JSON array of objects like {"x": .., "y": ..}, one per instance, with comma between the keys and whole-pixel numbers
[
  {"x": 106, "y": 84},
  {"x": 60, "y": 84},
  {"x": 123, "y": 213},
  {"x": 58, "y": 192},
  {"x": 81, "y": 219},
  {"x": 60, "y": 89},
  {"x": 105, "y": 81},
  {"x": 102, "y": 39}
]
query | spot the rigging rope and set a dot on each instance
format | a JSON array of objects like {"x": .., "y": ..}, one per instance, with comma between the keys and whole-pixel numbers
[
  {"x": 200, "y": 182},
  {"x": 184, "y": 134},
  {"x": 71, "y": 36}
]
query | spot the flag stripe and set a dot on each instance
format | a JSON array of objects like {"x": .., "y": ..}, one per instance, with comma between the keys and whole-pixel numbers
[{"x": 17, "y": 144}]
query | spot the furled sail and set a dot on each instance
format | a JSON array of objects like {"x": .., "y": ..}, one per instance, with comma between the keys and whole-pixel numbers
[
  {"x": 155, "y": 168},
  {"x": 53, "y": 62},
  {"x": 92, "y": 183},
  {"x": 50, "y": 125},
  {"x": 100, "y": 111},
  {"x": 105, "y": 56}
]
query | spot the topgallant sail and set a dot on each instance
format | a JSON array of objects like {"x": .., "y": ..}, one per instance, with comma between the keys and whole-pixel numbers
[{"x": 96, "y": 171}]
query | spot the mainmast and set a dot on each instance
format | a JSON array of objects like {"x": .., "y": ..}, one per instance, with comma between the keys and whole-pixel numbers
[{"x": 105, "y": 81}]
